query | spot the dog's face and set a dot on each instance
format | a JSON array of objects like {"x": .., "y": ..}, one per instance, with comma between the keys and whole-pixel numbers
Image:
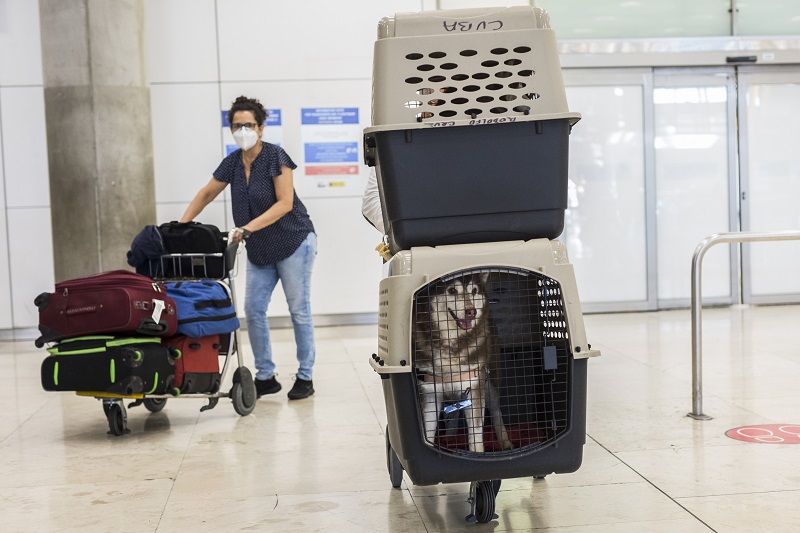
[{"x": 458, "y": 306}]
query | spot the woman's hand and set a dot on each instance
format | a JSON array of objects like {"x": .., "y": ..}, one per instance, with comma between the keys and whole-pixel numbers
[{"x": 239, "y": 234}]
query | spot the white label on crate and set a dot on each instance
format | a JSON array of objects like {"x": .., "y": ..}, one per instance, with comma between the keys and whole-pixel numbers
[
  {"x": 500, "y": 120},
  {"x": 158, "y": 308}
]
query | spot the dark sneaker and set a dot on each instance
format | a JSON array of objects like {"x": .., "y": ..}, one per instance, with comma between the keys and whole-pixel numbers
[
  {"x": 301, "y": 389},
  {"x": 267, "y": 386}
]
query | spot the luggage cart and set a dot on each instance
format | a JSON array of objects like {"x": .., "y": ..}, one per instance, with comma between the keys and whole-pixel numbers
[
  {"x": 482, "y": 350},
  {"x": 190, "y": 267}
]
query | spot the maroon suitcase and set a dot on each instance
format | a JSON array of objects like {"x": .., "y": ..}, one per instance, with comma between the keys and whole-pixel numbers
[
  {"x": 118, "y": 301},
  {"x": 197, "y": 364}
]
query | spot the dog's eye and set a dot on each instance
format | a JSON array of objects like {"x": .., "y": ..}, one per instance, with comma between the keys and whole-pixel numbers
[
  {"x": 474, "y": 290},
  {"x": 452, "y": 290}
]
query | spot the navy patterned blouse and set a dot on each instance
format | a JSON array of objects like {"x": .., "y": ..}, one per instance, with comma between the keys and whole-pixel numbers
[{"x": 282, "y": 238}]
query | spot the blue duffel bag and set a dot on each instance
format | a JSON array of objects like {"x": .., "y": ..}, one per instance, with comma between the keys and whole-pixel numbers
[{"x": 204, "y": 308}]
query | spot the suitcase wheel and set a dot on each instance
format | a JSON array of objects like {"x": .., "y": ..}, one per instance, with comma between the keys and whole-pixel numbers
[
  {"x": 133, "y": 358},
  {"x": 41, "y": 301}
]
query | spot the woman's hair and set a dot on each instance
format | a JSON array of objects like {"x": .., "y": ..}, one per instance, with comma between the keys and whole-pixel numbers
[{"x": 244, "y": 103}]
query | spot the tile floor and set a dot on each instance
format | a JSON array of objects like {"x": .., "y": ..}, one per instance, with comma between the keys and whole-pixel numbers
[{"x": 319, "y": 464}]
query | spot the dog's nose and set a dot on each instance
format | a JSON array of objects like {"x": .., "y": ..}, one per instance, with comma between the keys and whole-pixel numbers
[{"x": 471, "y": 313}]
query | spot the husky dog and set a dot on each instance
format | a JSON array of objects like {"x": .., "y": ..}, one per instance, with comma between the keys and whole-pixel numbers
[{"x": 454, "y": 354}]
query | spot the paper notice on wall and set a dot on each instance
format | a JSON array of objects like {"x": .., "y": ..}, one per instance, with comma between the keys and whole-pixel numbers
[
  {"x": 273, "y": 130},
  {"x": 331, "y": 137}
]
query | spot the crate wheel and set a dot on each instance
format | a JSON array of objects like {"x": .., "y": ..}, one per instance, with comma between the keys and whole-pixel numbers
[
  {"x": 117, "y": 419},
  {"x": 482, "y": 498},
  {"x": 393, "y": 464},
  {"x": 154, "y": 405},
  {"x": 243, "y": 392},
  {"x": 485, "y": 502}
]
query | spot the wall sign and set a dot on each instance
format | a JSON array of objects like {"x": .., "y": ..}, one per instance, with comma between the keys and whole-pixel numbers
[
  {"x": 767, "y": 433},
  {"x": 331, "y": 137}
]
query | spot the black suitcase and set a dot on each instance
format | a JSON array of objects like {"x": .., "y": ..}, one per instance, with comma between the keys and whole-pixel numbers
[{"x": 107, "y": 364}]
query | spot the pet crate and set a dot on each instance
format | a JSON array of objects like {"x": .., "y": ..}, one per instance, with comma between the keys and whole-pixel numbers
[
  {"x": 470, "y": 127},
  {"x": 439, "y": 307}
]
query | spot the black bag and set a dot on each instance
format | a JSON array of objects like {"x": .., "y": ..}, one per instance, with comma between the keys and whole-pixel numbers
[
  {"x": 209, "y": 256},
  {"x": 192, "y": 238},
  {"x": 108, "y": 364}
]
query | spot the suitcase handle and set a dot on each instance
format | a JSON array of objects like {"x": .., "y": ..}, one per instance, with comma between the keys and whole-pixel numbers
[
  {"x": 187, "y": 225},
  {"x": 149, "y": 327}
]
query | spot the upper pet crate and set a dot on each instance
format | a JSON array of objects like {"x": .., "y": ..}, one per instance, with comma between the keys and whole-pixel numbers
[
  {"x": 470, "y": 127},
  {"x": 467, "y": 66}
]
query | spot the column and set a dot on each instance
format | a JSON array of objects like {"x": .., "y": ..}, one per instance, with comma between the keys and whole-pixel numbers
[{"x": 100, "y": 153}]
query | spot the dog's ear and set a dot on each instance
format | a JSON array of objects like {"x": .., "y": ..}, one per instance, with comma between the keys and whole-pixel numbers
[{"x": 484, "y": 278}]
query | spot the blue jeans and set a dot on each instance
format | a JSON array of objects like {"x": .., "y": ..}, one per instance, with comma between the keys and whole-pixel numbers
[{"x": 294, "y": 273}]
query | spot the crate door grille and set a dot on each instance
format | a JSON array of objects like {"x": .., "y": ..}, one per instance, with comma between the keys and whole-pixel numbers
[{"x": 497, "y": 337}]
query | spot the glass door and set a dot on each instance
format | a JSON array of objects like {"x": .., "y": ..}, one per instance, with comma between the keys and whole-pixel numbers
[
  {"x": 695, "y": 173},
  {"x": 769, "y": 101},
  {"x": 607, "y": 221},
  {"x": 664, "y": 158}
]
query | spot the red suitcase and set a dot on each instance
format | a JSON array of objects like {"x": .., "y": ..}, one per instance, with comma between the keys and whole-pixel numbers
[
  {"x": 118, "y": 301},
  {"x": 197, "y": 366}
]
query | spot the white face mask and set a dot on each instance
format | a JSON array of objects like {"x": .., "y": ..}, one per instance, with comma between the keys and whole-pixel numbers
[{"x": 245, "y": 138}]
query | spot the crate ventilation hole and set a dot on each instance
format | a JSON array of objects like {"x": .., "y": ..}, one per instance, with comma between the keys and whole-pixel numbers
[{"x": 502, "y": 69}]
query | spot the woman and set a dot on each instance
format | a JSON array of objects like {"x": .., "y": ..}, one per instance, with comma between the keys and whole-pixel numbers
[{"x": 281, "y": 242}]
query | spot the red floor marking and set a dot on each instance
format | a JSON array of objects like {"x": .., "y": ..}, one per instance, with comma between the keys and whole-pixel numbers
[{"x": 767, "y": 433}]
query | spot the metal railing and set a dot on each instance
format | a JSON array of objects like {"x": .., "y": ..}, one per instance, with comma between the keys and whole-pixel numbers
[{"x": 697, "y": 303}]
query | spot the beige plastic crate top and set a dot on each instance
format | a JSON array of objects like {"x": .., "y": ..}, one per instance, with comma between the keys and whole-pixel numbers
[{"x": 466, "y": 67}]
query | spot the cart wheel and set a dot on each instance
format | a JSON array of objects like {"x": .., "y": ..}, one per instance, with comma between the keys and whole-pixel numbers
[
  {"x": 154, "y": 405},
  {"x": 484, "y": 495},
  {"x": 117, "y": 420},
  {"x": 393, "y": 464},
  {"x": 243, "y": 392}
]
